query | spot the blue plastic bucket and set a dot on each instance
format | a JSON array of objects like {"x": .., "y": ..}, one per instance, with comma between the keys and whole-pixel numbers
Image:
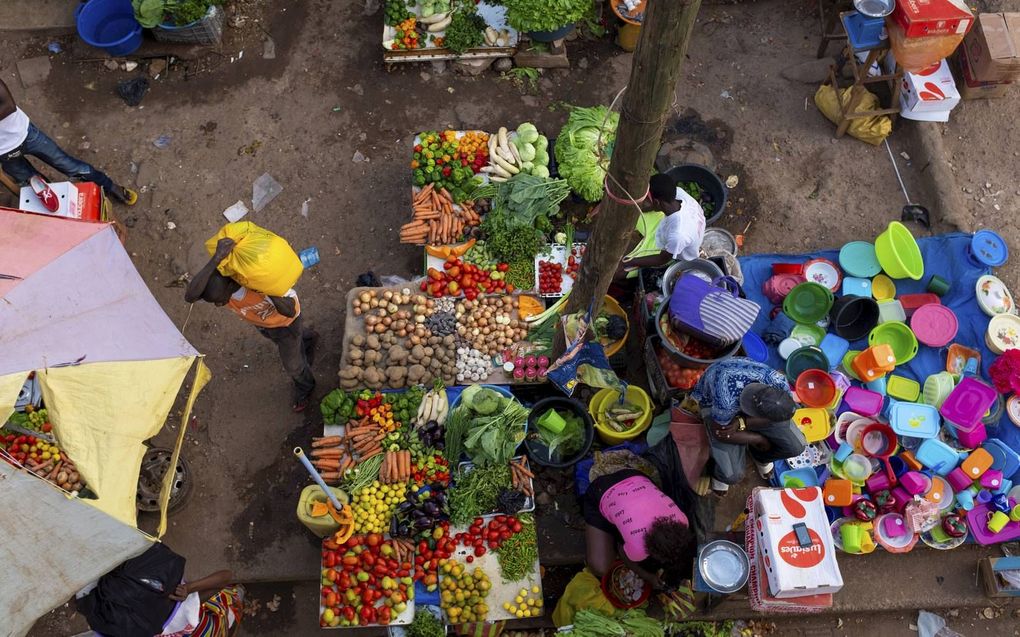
[{"x": 109, "y": 25}]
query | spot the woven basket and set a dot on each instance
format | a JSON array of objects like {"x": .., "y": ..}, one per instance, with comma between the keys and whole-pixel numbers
[{"x": 208, "y": 30}]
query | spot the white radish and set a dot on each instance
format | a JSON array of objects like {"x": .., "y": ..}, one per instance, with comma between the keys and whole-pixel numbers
[
  {"x": 505, "y": 165},
  {"x": 497, "y": 179},
  {"x": 504, "y": 145},
  {"x": 491, "y": 36},
  {"x": 516, "y": 153},
  {"x": 439, "y": 26},
  {"x": 434, "y": 18}
]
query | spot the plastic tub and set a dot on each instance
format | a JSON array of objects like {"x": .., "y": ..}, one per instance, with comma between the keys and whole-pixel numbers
[
  {"x": 815, "y": 388},
  {"x": 537, "y": 450},
  {"x": 1003, "y": 333},
  {"x": 835, "y": 348},
  {"x": 808, "y": 302},
  {"x": 898, "y": 253},
  {"x": 600, "y": 401},
  {"x": 916, "y": 420},
  {"x": 858, "y": 259},
  {"x": 109, "y": 25},
  {"x": 804, "y": 359},
  {"x": 856, "y": 286},
  {"x": 967, "y": 404},
  {"x": 897, "y": 336},
  {"x": 853, "y": 316},
  {"x": 903, "y": 388},
  {"x": 874, "y": 362},
  {"x": 863, "y": 401},
  {"x": 937, "y": 388},
  {"x": 712, "y": 188},
  {"x": 891, "y": 312},
  {"x": 993, "y": 296},
  {"x": 934, "y": 324},
  {"x": 813, "y": 422}
]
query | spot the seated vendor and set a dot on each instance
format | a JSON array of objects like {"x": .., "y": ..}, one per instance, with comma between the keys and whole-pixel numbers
[
  {"x": 671, "y": 230},
  {"x": 747, "y": 408},
  {"x": 627, "y": 517}
]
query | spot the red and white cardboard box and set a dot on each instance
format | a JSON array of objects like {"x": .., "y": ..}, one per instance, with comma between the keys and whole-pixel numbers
[
  {"x": 67, "y": 192},
  {"x": 792, "y": 570},
  {"x": 933, "y": 90},
  {"x": 922, "y": 18}
]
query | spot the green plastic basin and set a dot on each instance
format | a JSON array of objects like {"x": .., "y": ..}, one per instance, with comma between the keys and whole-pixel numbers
[
  {"x": 898, "y": 253},
  {"x": 897, "y": 336}
]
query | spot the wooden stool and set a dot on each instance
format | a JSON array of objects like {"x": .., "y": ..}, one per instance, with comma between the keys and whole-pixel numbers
[
  {"x": 861, "y": 79},
  {"x": 828, "y": 16},
  {"x": 9, "y": 184}
]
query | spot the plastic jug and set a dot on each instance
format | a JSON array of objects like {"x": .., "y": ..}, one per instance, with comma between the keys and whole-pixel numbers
[{"x": 322, "y": 525}]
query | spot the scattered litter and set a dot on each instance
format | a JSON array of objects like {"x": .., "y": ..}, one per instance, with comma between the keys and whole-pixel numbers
[
  {"x": 54, "y": 47},
  {"x": 163, "y": 141},
  {"x": 336, "y": 109},
  {"x": 111, "y": 65},
  {"x": 905, "y": 156},
  {"x": 359, "y": 158},
  {"x": 236, "y": 211},
  {"x": 170, "y": 225},
  {"x": 732, "y": 181},
  {"x": 988, "y": 613},
  {"x": 309, "y": 257},
  {"x": 90, "y": 86},
  {"x": 269, "y": 49},
  {"x": 304, "y": 207},
  {"x": 130, "y": 65},
  {"x": 273, "y": 605},
  {"x": 251, "y": 530},
  {"x": 932, "y": 625},
  {"x": 240, "y": 54},
  {"x": 132, "y": 91},
  {"x": 264, "y": 190},
  {"x": 725, "y": 95}
]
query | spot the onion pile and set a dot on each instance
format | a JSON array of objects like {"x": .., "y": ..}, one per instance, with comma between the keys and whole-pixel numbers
[{"x": 486, "y": 324}]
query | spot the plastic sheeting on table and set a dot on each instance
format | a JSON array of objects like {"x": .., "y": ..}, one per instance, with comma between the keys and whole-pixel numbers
[{"x": 944, "y": 255}]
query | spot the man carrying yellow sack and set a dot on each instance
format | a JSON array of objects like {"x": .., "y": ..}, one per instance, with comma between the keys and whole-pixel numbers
[{"x": 278, "y": 318}]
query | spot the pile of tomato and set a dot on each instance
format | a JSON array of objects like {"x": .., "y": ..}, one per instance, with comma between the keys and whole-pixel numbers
[
  {"x": 574, "y": 261},
  {"x": 363, "y": 583},
  {"x": 677, "y": 376},
  {"x": 433, "y": 470},
  {"x": 439, "y": 546},
  {"x": 550, "y": 277},
  {"x": 484, "y": 537},
  {"x": 457, "y": 278}
]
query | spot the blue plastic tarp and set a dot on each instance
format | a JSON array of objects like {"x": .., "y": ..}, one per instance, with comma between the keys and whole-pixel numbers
[{"x": 945, "y": 256}]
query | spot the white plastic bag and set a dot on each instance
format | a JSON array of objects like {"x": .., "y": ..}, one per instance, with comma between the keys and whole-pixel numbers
[{"x": 682, "y": 232}]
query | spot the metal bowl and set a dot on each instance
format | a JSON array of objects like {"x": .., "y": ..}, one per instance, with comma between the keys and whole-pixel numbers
[
  {"x": 875, "y": 8},
  {"x": 724, "y": 566},
  {"x": 701, "y": 268}
]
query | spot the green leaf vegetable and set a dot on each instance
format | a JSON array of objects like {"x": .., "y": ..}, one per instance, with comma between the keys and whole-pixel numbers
[
  {"x": 582, "y": 149},
  {"x": 151, "y": 13},
  {"x": 630, "y": 623},
  {"x": 544, "y": 15},
  {"x": 466, "y": 30},
  {"x": 522, "y": 206},
  {"x": 425, "y": 624},
  {"x": 494, "y": 438},
  {"x": 476, "y": 492}
]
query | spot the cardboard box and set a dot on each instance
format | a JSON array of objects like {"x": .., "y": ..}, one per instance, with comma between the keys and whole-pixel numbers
[
  {"x": 922, "y": 18},
  {"x": 930, "y": 91},
  {"x": 970, "y": 87},
  {"x": 993, "y": 47},
  {"x": 66, "y": 191},
  {"x": 994, "y": 584},
  {"x": 792, "y": 570}
]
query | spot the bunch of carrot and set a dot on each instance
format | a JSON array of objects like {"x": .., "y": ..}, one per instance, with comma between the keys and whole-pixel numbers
[
  {"x": 396, "y": 467},
  {"x": 404, "y": 550},
  {"x": 436, "y": 220},
  {"x": 522, "y": 477},
  {"x": 335, "y": 455}
]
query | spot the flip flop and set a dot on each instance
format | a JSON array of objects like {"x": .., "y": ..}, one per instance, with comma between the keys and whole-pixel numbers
[{"x": 42, "y": 190}]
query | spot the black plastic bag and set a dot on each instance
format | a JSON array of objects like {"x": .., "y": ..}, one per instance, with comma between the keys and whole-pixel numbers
[
  {"x": 132, "y": 91},
  {"x": 133, "y": 599}
]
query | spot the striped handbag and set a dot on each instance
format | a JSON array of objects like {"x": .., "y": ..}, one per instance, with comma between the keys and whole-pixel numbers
[{"x": 712, "y": 312}]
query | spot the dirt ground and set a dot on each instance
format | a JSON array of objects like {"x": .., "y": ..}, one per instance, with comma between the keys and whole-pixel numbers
[{"x": 326, "y": 96}]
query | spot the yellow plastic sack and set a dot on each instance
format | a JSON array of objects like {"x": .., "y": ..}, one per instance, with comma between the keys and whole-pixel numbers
[
  {"x": 584, "y": 591},
  {"x": 867, "y": 129},
  {"x": 261, "y": 261}
]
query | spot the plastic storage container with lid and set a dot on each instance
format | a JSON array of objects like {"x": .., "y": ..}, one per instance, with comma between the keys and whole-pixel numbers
[
  {"x": 863, "y": 401},
  {"x": 988, "y": 248},
  {"x": 916, "y": 420},
  {"x": 874, "y": 362},
  {"x": 934, "y": 324},
  {"x": 856, "y": 286},
  {"x": 967, "y": 404},
  {"x": 993, "y": 296},
  {"x": 813, "y": 423},
  {"x": 937, "y": 388},
  {"x": 835, "y": 348},
  {"x": 890, "y": 311},
  {"x": 1003, "y": 333},
  {"x": 903, "y": 388},
  {"x": 937, "y": 456}
]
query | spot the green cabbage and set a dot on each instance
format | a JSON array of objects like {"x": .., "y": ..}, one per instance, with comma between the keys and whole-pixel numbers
[
  {"x": 582, "y": 149},
  {"x": 482, "y": 400},
  {"x": 527, "y": 132}
]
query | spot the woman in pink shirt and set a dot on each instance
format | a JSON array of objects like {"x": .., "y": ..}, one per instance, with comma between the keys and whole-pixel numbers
[{"x": 629, "y": 518}]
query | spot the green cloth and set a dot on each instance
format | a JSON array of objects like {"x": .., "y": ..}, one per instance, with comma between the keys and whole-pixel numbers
[{"x": 647, "y": 224}]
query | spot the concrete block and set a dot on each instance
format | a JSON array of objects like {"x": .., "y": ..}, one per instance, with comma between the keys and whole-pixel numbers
[
  {"x": 33, "y": 71},
  {"x": 554, "y": 58},
  {"x": 38, "y": 17}
]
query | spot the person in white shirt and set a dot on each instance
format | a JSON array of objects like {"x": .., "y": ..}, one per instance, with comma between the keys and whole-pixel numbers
[{"x": 19, "y": 139}]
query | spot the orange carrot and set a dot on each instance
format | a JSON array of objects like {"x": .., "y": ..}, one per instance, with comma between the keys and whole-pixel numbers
[
  {"x": 332, "y": 452},
  {"x": 328, "y": 441}
]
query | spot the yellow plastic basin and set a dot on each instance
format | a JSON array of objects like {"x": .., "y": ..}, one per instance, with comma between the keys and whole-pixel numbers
[{"x": 603, "y": 398}]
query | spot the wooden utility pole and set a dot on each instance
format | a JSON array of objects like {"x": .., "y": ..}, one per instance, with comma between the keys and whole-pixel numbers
[{"x": 646, "y": 105}]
